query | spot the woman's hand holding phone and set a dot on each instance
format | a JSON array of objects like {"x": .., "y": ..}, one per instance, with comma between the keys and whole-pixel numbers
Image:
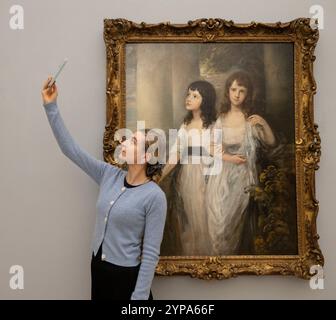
[{"x": 49, "y": 94}]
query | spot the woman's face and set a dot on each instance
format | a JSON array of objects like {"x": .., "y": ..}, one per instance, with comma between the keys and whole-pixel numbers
[
  {"x": 133, "y": 149},
  {"x": 237, "y": 94},
  {"x": 193, "y": 100}
]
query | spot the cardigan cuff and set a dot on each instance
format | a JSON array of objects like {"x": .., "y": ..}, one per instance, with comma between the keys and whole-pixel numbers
[{"x": 49, "y": 103}]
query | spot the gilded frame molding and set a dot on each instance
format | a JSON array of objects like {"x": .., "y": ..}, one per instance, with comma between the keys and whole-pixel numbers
[{"x": 304, "y": 35}]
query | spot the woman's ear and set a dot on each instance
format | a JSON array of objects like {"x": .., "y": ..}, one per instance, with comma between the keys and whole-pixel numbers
[{"x": 148, "y": 156}]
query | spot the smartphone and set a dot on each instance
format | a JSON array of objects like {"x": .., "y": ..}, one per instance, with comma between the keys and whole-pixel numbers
[{"x": 53, "y": 79}]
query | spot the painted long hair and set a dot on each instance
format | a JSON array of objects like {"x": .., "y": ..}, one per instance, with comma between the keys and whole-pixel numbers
[{"x": 208, "y": 105}]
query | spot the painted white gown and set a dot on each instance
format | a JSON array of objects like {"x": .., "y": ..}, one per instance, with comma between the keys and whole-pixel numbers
[
  {"x": 225, "y": 197},
  {"x": 191, "y": 186}
]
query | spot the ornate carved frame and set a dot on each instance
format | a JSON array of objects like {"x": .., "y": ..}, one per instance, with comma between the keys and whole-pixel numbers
[{"x": 304, "y": 35}]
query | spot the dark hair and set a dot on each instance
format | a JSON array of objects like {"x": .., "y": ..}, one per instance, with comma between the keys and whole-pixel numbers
[
  {"x": 208, "y": 109},
  {"x": 153, "y": 171},
  {"x": 243, "y": 79}
]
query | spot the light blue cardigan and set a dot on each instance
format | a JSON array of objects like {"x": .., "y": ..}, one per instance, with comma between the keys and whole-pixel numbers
[{"x": 127, "y": 218}]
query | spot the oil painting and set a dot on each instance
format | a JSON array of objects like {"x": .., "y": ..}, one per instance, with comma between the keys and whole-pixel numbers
[{"x": 235, "y": 103}]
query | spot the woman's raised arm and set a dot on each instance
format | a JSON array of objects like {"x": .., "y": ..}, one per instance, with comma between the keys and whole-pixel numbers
[{"x": 93, "y": 167}]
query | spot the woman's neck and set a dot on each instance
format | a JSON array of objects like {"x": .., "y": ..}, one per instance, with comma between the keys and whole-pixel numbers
[
  {"x": 235, "y": 108},
  {"x": 196, "y": 115},
  {"x": 136, "y": 174}
]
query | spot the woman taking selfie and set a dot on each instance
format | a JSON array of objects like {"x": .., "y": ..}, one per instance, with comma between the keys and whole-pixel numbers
[{"x": 131, "y": 211}]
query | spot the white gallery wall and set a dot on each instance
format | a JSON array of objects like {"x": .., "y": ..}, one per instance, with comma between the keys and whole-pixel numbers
[{"x": 47, "y": 204}]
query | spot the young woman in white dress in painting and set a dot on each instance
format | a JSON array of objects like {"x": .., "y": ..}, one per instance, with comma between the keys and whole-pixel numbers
[
  {"x": 188, "y": 220},
  {"x": 242, "y": 133}
]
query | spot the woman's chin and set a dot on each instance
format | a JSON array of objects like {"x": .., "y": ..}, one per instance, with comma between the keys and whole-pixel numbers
[{"x": 237, "y": 104}]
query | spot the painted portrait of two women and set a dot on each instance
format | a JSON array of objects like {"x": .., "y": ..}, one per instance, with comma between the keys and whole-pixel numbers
[{"x": 229, "y": 175}]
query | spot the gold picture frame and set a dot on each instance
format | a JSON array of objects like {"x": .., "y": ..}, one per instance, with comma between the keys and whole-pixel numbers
[{"x": 303, "y": 34}]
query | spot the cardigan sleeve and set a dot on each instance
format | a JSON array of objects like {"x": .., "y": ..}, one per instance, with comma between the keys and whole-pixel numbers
[
  {"x": 93, "y": 167},
  {"x": 154, "y": 226}
]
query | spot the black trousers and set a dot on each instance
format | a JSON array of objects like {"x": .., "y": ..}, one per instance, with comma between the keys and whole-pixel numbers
[{"x": 112, "y": 282}]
